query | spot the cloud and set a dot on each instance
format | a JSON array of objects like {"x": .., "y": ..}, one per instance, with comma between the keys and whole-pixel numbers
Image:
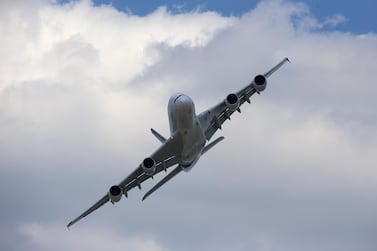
[
  {"x": 62, "y": 39},
  {"x": 50, "y": 237},
  {"x": 81, "y": 85}
]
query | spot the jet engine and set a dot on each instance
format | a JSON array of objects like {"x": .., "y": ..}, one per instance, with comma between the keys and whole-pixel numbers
[
  {"x": 259, "y": 83},
  {"x": 232, "y": 101},
  {"x": 148, "y": 166},
  {"x": 115, "y": 193}
]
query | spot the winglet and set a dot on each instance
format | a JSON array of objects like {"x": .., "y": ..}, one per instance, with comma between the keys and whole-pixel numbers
[{"x": 70, "y": 224}]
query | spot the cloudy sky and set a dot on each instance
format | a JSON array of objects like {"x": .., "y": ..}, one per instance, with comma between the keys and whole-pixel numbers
[{"x": 82, "y": 82}]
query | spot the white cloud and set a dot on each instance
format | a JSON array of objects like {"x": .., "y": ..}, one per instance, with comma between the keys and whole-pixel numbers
[
  {"x": 59, "y": 77},
  {"x": 55, "y": 237},
  {"x": 80, "y": 85},
  {"x": 67, "y": 41},
  {"x": 335, "y": 20}
]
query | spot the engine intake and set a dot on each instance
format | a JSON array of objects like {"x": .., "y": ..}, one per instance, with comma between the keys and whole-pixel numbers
[
  {"x": 115, "y": 193},
  {"x": 149, "y": 166},
  {"x": 259, "y": 83},
  {"x": 232, "y": 101}
]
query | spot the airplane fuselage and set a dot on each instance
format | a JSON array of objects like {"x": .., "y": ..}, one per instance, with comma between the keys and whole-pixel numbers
[{"x": 185, "y": 124}]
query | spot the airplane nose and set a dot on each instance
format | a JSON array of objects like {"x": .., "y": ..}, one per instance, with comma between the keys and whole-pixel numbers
[
  {"x": 182, "y": 99},
  {"x": 184, "y": 103}
]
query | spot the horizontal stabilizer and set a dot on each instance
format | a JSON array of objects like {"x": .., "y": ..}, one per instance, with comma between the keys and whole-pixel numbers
[
  {"x": 161, "y": 138},
  {"x": 212, "y": 144},
  {"x": 173, "y": 173}
]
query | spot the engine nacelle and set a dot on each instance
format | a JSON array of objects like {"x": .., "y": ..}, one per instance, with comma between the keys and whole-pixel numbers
[
  {"x": 232, "y": 101},
  {"x": 259, "y": 83},
  {"x": 149, "y": 166},
  {"x": 115, "y": 193}
]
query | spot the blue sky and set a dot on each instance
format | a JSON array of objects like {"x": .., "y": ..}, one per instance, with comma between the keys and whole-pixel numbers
[{"x": 360, "y": 15}]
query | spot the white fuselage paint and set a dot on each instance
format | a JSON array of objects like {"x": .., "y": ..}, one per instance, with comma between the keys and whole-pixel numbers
[{"x": 185, "y": 124}]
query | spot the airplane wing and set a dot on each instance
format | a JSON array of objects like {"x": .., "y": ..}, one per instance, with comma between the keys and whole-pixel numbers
[
  {"x": 212, "y": 119},
  {"x": 165, "y": 156}
]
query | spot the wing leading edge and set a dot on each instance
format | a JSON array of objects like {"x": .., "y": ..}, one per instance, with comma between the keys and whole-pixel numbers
[
  {"x": 212, "y": 119},
  {"x": 165, "y": 156}
]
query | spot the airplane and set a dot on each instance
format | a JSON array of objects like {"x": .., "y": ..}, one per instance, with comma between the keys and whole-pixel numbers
[{"x": 189, "y": 134}]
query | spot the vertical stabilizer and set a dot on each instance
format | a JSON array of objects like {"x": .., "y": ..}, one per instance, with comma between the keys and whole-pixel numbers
[{"x": 161, "y": 138}]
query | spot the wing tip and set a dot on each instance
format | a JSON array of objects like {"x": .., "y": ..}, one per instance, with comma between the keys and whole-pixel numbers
[{"x": 74, "y": 221}]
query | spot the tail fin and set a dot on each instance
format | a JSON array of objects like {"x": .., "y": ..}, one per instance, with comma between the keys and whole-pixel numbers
[{"x": 161, "y": 138}]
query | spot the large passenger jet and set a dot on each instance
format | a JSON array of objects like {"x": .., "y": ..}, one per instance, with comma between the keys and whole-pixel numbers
[{"x": 189, "y": 134}]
